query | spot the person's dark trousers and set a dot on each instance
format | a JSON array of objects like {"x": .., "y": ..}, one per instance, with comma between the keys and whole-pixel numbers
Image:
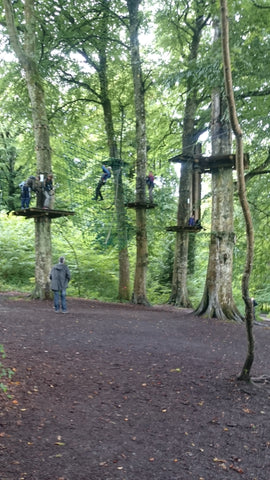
[
  {"x": 98, "y": 192},
  {"x": 25, "y": 202}
]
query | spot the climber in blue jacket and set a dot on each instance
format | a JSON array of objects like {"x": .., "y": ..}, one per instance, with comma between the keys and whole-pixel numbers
[{"x": 104, "y": 177}]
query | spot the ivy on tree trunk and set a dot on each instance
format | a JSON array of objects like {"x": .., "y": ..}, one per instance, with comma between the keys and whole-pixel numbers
[{"x": 249, "y": 305}]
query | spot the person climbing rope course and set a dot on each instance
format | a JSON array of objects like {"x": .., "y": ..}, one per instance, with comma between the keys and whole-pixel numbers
[{"x": 104, "y": 177}]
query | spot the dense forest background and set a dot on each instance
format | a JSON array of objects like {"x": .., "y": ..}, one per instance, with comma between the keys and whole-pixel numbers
[{"x": 73, "y": 43}]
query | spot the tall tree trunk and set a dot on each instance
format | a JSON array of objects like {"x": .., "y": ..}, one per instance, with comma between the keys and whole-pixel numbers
[
  {"x": 123, "y": 257},
  {"x": 43, "y": 252},
  {"x": 27, "y": 58},
  {"x": 179, "y": 295},
  {"x": 139, "y": 292},
  {"x": 249, "y": 313},
  {"x": 217, "y": 300}
]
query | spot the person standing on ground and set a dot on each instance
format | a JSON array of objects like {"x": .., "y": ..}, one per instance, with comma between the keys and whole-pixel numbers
[{"x": 60, "y": 277}]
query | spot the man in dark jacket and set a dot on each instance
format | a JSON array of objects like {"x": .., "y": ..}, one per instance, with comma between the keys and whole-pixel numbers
[{"x": 60, "y": 276}]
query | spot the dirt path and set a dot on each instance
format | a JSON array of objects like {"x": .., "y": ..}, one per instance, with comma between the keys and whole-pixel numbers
[{"x": 131, "y": 393}]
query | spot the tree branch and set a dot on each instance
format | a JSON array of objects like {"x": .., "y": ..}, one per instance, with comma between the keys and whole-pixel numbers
[
  {"x": 265, "y": 7},
  {"x": 68, "y": 78},
  {"x": 13, "y": 33},
  {"x": 62, "y": 107},
  {"x": 254, "y": 93}
]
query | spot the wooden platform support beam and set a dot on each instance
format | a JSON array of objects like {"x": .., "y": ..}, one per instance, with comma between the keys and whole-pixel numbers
[
  {"x": 212, "y": 162},
  {"x": 146, "y": 205},
  {"x": 177, "y": 228},
  {"x": 34, "y": 212}
]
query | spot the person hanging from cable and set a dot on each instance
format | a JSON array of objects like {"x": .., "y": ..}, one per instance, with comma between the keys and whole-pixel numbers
[
  {"x": 104, "y": 177},
  {"x": 150, "y": 183}
]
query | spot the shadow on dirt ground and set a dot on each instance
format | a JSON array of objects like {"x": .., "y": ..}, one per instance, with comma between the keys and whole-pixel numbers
[{"x": 126, "y": 392}]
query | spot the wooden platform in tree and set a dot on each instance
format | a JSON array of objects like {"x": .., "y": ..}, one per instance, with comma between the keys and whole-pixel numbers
[
  {"x": 34, "y": 212},
  {"x": 212, "y": 162},
  {"x": 145, "y": 205},
  {"x": 177, "y": 228}
]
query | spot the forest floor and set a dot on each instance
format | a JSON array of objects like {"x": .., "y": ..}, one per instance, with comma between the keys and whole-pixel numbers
[{"x": 113, "y": 391}]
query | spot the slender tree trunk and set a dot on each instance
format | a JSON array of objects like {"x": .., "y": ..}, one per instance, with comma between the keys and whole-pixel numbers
[
  {"x": 123, "y": 257},
  {"x": 179, "y": 295},
  {"x": 139, "y": 292},
  {"x": 27, "y": 58},
  {"x": 217, "y": 300},
  {"x": 249, "y": 314}
]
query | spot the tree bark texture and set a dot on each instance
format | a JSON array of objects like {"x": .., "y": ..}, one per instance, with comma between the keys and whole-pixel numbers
[
  {"x": 27, "y": 57},
  {"x": 249, "y": 306},
  {"x": 139, "y": 293},
  {"x": 217, "y": 300},
  {"x": 179, "y": 293},
  {"x": 43, "y": 255}
]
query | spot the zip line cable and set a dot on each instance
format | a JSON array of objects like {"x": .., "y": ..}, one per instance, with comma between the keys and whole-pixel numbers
[
  {"x": 83, "y": 150},
  {"x": 86, "y": 152}
]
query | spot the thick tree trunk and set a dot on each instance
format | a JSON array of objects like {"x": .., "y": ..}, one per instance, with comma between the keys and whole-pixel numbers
[
  {"x": 43, "y": 229},
  {"x": 40, "y": 122},
  {"x": 27, "y": 59},
  {"x": 139, "y": 293},
  {"x": 43, "y": 253},
  {"x": 217, "y": 300}
]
